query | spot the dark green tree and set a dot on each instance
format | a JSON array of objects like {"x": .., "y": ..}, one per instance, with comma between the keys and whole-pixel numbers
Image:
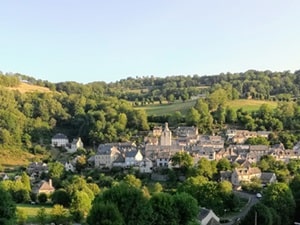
[
  {"x": 104, "y": 213},
  {"x": 280, "y": 197},
  {"x": 7, "y": 208}
]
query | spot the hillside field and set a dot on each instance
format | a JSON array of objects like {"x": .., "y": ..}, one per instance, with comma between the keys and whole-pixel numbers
[
  {"x": 24, "y": 88},
  {"x": 167, "y": 108}
]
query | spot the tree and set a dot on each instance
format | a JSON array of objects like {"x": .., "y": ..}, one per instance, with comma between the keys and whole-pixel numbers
[
  {"x": 231, "y": 116},
  {"x": 60, "y": 215},
  {"x": 131, "y": 203},
  {"x": 132, "y": 181},
  {"x": 186, "y": 207},
  {"x": 261, "y": 213},
  {"x": 104, "y": 213},
  {"x": 80, "y": 163},
  {"x": 183, "y": 160},
  {"x": 80, "y": 205},
  {"x": 42, "y": 197},
  {"x": 164, "y": 212},
  {"x": 205, "y": 120},
  {"x": 205, "y": 168},
  {"x": 7, "y": 208},
  {"x": 61, "y": 197},
  {"x": 223, "y": 165},
  {"x": 218, "y": 97},
  {"x": 41, "y": 216},
  {"x": 192, "y": 117},
  {"x": 257, "y": 141},
  {"x": 26, "y": 181},
  {"x": 56, "y": 170},
  {"x": 21, "y": 216},
  {"x": 280, "y": 197}
]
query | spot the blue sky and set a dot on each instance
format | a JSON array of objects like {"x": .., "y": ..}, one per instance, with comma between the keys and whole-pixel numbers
[{"x": 100, "y": 40}]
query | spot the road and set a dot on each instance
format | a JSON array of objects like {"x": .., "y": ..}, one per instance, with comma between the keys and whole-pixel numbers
[{"x": 252, "y": 200}]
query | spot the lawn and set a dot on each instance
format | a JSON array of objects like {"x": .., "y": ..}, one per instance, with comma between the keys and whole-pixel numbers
[
  {"x": 166, "y": 108},
  {"x": 250, "y": 104},
  {"x": 32, "y": 210}
]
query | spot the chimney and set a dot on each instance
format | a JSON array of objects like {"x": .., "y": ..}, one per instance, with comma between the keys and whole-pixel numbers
[{"x": 50, "y": 182}]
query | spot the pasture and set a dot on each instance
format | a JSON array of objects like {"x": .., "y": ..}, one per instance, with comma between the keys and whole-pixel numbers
[{"x": 170, "y": 108}]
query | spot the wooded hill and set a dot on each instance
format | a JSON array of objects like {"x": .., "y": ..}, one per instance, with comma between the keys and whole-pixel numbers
[{"x": 102, "y": 112}]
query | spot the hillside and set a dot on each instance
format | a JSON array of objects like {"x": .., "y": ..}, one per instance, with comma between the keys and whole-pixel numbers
[
  {"x": 12, "y": 158},
  {"x": 26, "y": 87}
]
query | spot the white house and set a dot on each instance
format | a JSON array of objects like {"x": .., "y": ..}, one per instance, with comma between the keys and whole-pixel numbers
[
  {"x": 133, "y": 157},
  {"x": 59, "y": 140},
  {"x": 106, "y": 155},
  {"x": 76, "y": 144},
  {"x": 146, "y": 166}
]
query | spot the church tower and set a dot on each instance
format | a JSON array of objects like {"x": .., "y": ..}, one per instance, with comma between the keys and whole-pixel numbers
[{"x": 166, "y": 136}]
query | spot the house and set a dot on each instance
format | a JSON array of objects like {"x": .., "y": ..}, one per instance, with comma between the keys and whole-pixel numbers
[
  {"x": 59, "y": 140},
  {"x": 204, "y": 152},
  {"x": 35, "y": 169},
  {"x": 267, "y": 178},
  {"x": 146, "y": 166},
  {"x": 208, "y": 217},
  {"x": 259, "y": 150},
  {"x": 76, "y": 144},
  {"x": 133, "y": 157},
  {"x": 240, "y": 136},
  {"x": 44, "y": 187},
  {"x": 69, "y": 167},
  {"x": 119, "y": 162},
  {"x": 186, "y": 131},
  {"x": 106, "y": 155},
  {"x": 163, "y": 159},
  {"x": 4, "y": 176},
  {"x": 240, "y": 175}
]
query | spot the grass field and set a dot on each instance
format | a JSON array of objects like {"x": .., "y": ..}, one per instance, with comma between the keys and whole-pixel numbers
[
  {"x": 13, "y": 158},
  {"x": 32, "y": 210},
  {"x": 250, "y": 104},
  {"x": 165, "y": 108},
  {"x": 24, "y": 87}
]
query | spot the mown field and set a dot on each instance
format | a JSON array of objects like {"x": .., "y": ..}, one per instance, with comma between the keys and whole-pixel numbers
[
  {"x": 250, "y": 104},
  {"x": 166, "y": 108}
]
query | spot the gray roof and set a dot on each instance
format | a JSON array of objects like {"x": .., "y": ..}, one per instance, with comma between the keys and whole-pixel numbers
[
  {"x": 60, "y": 136},
  {"x": 266, "y": 177},
  {"x": 131, "y": 153},
  {"x": 203, "y": 213},
  {"x": 104, "y": 150}
]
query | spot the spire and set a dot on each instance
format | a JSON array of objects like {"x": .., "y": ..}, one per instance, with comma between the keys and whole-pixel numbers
[{"x": 166, "y": 127}]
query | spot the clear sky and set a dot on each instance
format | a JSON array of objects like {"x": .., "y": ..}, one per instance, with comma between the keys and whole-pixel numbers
[{"x": 108, "y": 40}]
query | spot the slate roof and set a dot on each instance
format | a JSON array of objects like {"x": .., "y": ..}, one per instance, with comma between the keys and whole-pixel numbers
[
  {"x": 60, "y": 136},
  {"x": 131, "y": 154},
  {"x": 266, "y": 177}
]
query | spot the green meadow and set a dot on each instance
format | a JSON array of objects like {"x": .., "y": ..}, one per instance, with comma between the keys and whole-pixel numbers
[
  {"x": 170, "y": 108},
  {"x": 32, "y": 210}
]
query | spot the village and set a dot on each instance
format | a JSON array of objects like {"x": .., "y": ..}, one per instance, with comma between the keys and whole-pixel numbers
[{"x": 161, "y": 144}]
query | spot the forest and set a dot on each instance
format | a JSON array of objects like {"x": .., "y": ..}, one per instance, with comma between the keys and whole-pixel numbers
[{"x": 99, "y": 112}]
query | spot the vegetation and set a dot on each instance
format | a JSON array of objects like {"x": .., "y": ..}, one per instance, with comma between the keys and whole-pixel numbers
[{"x": 31, "y": 112}]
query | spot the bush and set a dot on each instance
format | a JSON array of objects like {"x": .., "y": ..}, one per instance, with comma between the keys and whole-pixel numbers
[{"x": 42, "y": 197}]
